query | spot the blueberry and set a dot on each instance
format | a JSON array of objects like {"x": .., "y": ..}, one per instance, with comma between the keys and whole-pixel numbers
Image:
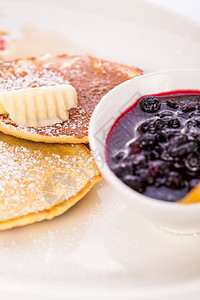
[
  {"x": 139, "y": 161},
  {"x": 165, "y": 113},
  {"x": 153, "y": 155},
  {"x": 158, "y": 182},
  {"x": 193, "y": 122},
  {"x": 174, "y": 180},
  {"x": 192, "y": 162},
  {"x": 152, "y": 125},
  {"x": 172, "y": 103},
  {"x": 150, "y": 104},
  {"x": 179, "y": 140},
  {"x": 147, "y": 126},
  {"x": 145, "y": 176},
  {"x": 159, "y": 168},
  {"x": 135, "y": 182},
  {"x": 180, "y": 164},
  {"x": 172, "y": 133},
  {"x": 118, "y": 157},
  {"x": 166, "y": 156},
  {"x": 183, "y": 150},
  {"x": 162, "y": 137},
  {"x": 198, "y": 139},
  {"x": 159, "y": 124},
  {"x": 188, "y": 107},
  {"x": 122, "y": 170},
  {"x": 194, "y": 114},
  {"x": 174, "y": 123},
  {"x": 192, "y": 127},
  {"x": 148, "y": 141}
]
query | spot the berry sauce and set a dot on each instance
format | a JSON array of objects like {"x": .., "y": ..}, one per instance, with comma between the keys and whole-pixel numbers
[{"x": 154, "y": 146}]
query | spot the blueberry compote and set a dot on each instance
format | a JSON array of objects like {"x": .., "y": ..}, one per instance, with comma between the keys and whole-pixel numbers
[{"x": 154, "y": 146}]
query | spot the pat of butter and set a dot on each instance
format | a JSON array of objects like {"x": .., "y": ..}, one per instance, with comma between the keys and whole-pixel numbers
[{"x": 39, "y": 107}]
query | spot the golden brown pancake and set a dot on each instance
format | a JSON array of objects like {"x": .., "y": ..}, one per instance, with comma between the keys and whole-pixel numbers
[
  {"x": 92, "y": 78},
  {"x": 40, "y": 181}
]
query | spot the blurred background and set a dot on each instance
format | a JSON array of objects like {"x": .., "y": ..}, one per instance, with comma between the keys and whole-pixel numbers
[{"x": 188, "y": 8}]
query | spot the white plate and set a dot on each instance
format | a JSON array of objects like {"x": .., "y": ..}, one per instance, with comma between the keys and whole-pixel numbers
[{"x": 99, "y": 249}]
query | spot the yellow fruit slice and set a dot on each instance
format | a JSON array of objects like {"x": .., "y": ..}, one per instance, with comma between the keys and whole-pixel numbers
[{"x": 192, "y": 197}]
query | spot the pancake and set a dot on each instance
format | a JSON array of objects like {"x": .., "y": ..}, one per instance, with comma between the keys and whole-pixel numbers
[
  {"x": 91, "y": 77},
  {"x": 40, "y": 181}
]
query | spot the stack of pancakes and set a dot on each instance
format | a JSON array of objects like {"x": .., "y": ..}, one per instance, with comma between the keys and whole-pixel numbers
[{"x": 45, "y": 171}]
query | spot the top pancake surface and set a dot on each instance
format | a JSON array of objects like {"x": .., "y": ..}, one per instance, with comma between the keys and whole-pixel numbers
[{"x": 91, "y": 77}]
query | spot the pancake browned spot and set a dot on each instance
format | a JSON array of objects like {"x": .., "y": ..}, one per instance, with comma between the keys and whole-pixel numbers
[{"x": 91, "y": 77}]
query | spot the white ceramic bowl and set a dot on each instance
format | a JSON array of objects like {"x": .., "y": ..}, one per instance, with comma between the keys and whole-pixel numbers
[{"x": 172, "y": 216}]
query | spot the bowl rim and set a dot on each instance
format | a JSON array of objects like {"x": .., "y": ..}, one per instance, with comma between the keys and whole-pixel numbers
[{"x": 106, "y": 171}]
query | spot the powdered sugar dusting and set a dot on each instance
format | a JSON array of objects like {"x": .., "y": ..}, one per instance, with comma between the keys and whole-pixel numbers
[
  {"x": 27, "y": 75},
  {"x": 92, "y": 78},
  {"x": 26, "y": 168}
]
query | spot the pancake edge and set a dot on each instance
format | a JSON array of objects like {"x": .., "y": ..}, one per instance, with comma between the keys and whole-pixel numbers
[
  {"x": 34, "y": 137},
  {"x": 55, "y": 211}
]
